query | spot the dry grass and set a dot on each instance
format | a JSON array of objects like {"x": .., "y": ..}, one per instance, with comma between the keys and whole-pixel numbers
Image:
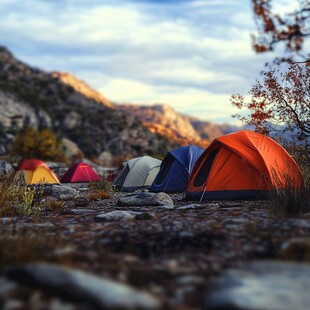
[
  {"x": 291, "y": 201},
  {"x": 103, "y": 184},
  {"x": 53, "y": 204},
  {"x": 17, "y": 198},
  {"x": 100, "y": 190},
  {"x": 98, "y": 194},
  {"x": 20, "y": 248}
]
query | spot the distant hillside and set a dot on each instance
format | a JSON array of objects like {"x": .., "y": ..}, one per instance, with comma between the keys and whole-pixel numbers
[
  {"x": 164, "y": 120},
  {"x": 32, "y": 97},
  {"x": 78, "y": 113}
]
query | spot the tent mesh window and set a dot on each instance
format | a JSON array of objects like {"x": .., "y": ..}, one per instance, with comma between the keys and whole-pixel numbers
[
  {"x": 164, "y": 169},
  {"x": 205, "y": 169}
]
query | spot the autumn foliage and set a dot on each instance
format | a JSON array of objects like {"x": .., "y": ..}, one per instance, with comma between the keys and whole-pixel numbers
[
  {"x": 279, "y": 103},
  {"x": 291, "y": 28},
  {"x": 32, "y": 143}
]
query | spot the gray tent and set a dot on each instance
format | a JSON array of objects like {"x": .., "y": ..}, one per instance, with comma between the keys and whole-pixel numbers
[{"x": 137, "y": 173}]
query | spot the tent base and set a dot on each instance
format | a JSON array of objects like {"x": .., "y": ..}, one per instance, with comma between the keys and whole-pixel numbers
[{"x": 227, "y": 195}]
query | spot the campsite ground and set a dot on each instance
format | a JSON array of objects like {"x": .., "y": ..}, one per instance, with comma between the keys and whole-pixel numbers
[{"x": 175, "y": 254}]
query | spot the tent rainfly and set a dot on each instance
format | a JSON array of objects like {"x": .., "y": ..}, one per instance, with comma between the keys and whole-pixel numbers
[
  {"x": 242, "y": 165},
  {"x": 37, "y": 172},
  {"x": 80, "y": 173},
  {"x": 175, "y": 169},
  {"x": 138, "y": 173}
]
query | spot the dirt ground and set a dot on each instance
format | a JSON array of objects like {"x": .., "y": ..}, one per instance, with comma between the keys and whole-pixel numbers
[{"x": 173, "y": 256}]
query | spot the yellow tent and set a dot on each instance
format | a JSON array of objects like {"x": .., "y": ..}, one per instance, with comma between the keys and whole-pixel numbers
[{"x": 37, "y": 172}]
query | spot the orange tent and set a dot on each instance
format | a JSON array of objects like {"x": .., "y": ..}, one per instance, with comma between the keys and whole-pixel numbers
[{"x": 242, "y": 165}]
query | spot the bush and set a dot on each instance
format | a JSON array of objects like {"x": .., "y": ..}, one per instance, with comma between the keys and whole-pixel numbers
[
  {"x": 31, "y": 143},
  {"x": 100, "y": 190}
]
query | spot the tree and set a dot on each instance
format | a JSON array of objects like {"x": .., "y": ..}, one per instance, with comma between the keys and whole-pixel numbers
[
  {"x": 291, "y": 28},
  {"x": 279, "y": 103},
  {"x": 31, "y": 143}
]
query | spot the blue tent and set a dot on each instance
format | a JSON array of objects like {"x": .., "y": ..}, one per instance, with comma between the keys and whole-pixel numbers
[{"x": 176, "y": 168}]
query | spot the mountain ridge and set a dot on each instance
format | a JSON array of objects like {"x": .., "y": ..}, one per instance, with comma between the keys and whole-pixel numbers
[{"x": 75, "y": 111}]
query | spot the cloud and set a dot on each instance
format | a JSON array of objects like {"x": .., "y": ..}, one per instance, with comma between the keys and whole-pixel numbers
[{"x": 190, "y": 54}]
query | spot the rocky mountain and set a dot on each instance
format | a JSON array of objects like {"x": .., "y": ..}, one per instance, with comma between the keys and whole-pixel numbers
[
  {"x": 82, "y": 88},
  {"x": 33, "y": 97},
  {"x": 81, "y": 115},
  {"x": 164, "y": 120}
]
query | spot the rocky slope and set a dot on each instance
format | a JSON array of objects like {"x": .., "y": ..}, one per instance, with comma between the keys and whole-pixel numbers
[
  {"x": 32, "y": 97},
  {"x": 78, "y": 113},
  {"x": 164, "y": 120}
]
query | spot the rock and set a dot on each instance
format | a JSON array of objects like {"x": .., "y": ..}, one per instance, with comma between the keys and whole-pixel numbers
[
  {"x": 261, "y": 285},
  {"x": 78, "y": 286},
  {"x": 300, "y": 223},
  {"x": 13, "y": 304},
  {"x": 5, "y": 168},
  {"x": 164, "y": 208},
  {"x": 62, "y": 192},
  {"x": 145, "y": 199},
  {"x": 71, "y": 150},
  {"x": 190, "y": 207},
  {"x": 57, "y": 304},
  {"x": 105, "y": 159},
  {"x": 78, "y": 211},
  {"x": 119, "y": 215},
  {"x": 6, "y": 287}
]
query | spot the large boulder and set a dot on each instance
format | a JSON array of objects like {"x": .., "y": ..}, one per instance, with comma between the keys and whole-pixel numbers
[
  {"x": 61, "y": 192},
  {"x": 145, "y": 199},
  {"x": 78, "y": 286},
  {"x": 261, "y": 285}
]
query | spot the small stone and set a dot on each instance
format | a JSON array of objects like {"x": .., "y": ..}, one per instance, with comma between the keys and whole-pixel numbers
[
  {"x": 190, "y": 207},
  {"x": 79, "y": 211}
]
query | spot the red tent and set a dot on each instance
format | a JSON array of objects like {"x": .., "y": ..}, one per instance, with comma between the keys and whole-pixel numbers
[{"x": 80, "y": 173}]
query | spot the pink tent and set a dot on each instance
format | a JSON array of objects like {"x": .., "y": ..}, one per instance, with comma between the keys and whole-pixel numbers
[{"x": 80, "y": 173}]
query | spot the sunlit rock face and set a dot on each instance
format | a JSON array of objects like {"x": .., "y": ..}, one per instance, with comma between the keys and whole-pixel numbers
[{"x": 68, "y": 106}]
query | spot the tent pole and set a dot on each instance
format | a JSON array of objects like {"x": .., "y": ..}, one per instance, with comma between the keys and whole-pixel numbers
[{"x": 204, "y": 190}]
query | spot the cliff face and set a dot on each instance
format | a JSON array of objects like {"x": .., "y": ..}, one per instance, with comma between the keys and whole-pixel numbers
[
  {"x": 164, "y": 120},
  {"x": 32, "y": 97}
]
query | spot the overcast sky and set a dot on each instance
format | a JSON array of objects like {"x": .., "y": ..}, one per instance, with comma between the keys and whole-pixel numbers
[{"x": 191, "y": 54}]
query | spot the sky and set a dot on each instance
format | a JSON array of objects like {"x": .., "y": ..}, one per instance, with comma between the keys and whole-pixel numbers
[{"x": 190, "y": 54}]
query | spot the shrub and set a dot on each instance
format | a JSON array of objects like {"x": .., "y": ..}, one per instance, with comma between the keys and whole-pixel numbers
[
  {"x": 100, "y": 190},
  {"x": 31, "y": 143}
]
